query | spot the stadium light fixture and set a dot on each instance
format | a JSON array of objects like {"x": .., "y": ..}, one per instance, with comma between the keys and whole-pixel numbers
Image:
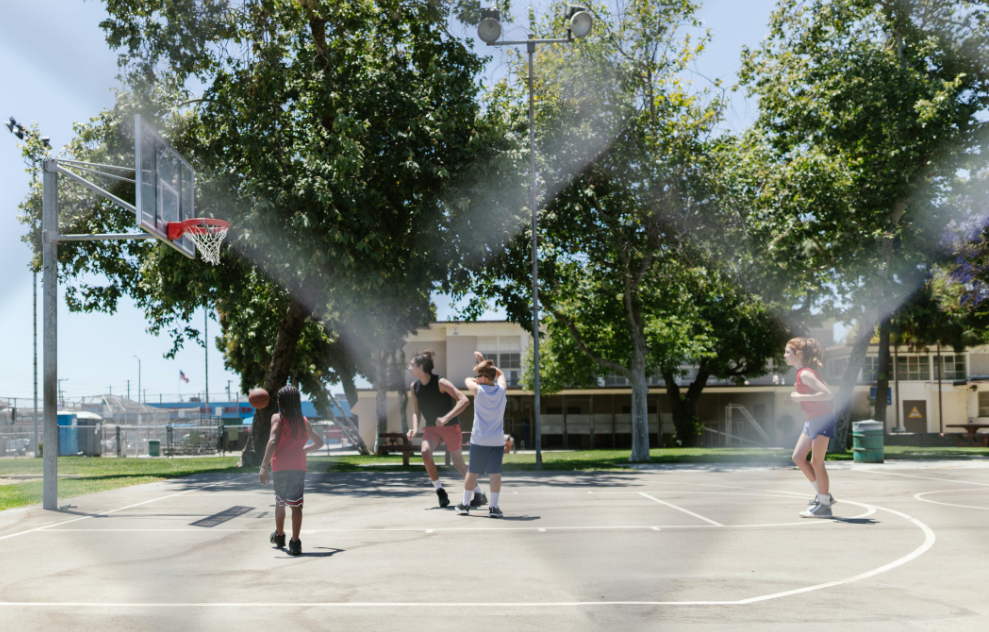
[{"x": 489, "y": 29}]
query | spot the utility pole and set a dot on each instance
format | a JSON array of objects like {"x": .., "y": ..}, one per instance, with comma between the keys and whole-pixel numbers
[
  {"x": 20, "y": 131},
  {"x": 228, "y": 391},
  {"x": 61, "y": 395},
  {"x": 128, "y": 389},
  {"x": 139, "y": 379}
]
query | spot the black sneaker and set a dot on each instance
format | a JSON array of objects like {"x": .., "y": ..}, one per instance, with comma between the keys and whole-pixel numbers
[
  {"x": 444, "y": 499},
  {"x": 295, "y": 547},
  {"x": 277, "y": 540},
  {"x": 463, "y": 510},
  {"x": 495, "y": 512},
  {"x": 478, "y": 500}
]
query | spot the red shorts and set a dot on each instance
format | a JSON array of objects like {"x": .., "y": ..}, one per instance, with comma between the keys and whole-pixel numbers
[{"x": 450, "y": 434}]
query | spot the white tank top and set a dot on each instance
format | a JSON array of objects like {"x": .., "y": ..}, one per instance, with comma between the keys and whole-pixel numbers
[{"x": 489, "y": 416}]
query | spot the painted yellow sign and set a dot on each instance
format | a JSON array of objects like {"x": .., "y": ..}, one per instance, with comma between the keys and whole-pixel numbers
[{"x": 915, "y": 414}]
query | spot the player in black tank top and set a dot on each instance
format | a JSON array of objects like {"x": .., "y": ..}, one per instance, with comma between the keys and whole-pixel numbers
[{"x": 436, "y": 403}]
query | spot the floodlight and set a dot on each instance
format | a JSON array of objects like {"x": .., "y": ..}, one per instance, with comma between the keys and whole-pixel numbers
[
  {"x": 580, "y": 21},
  {"x": 45, "y": 141},
  {"x": 11, "y": 124},
  {"x": 489, "y": 30}
]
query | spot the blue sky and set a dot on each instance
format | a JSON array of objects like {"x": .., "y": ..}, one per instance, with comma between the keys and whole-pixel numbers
[{"x": 58, "y": 69}]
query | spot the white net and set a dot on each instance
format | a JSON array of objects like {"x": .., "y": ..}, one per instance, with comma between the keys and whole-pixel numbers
[{"x": 208, "y": 238}]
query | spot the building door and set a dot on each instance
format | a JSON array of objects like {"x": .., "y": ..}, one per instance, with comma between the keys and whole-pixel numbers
[{"x": 915, "y": 415}]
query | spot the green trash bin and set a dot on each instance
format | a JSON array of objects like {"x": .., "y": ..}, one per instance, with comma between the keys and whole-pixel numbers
[
  {"x": 154, "y": 448},
  {"x": 867, "y": 441}
]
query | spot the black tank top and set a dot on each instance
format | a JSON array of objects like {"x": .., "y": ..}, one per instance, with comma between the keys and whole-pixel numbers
[{"x": 433, "y": 402}]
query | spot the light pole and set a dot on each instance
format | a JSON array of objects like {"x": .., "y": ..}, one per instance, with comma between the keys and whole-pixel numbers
[
  {"x": 61, "y": 397},
  {"x": 579, "y": 23},
  {"x": 138, "y": 379},
  {"x": 20, "y": 131}
]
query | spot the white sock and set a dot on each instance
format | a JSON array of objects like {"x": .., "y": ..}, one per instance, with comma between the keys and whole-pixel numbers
[
  {"x": 477, "y": 490},
  {"x": 494, "y": 499},
  {"x": 467, "y": 495},
  {"x": 437, "y": 484},
  {"x": 816, "y": 490},
  {"x": 824, "y": 499}
]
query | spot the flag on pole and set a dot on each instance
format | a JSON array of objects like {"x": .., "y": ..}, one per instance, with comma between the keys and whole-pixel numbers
[{"x": 183, "y": 377}]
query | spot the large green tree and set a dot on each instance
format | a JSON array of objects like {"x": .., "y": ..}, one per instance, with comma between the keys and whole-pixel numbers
[
  {"x": 869, "y": 116},
  {"x": 330, "y": 135}
]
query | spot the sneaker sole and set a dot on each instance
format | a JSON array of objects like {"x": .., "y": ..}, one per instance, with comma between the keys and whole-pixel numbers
[{"x": 827, "y": 517}]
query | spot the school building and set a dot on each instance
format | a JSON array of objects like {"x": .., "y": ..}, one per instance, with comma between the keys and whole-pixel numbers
[{"x": 752, "y": 414}]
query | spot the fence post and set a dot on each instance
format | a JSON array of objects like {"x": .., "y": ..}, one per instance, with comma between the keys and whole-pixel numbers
[
  {"x": 118, "y": 440},
  {"x": 168, "y": 439}
]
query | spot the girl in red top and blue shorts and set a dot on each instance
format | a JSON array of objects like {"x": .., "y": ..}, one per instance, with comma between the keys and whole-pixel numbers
[
  {"x": 286, "y": 452},
  {"x": 814, "y": 396}
]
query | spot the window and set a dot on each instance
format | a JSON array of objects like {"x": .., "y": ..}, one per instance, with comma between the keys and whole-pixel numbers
[
  {"x": 870, "y": 369},
  {"x": 506, "y": 352},
  {"x": 615, "y": 380},
  {"x": 836, "y": 368},
  {"x": 914, "y": 368},
  {"x": 954, "y": 366},
  {"x": 984, "y": 404}
]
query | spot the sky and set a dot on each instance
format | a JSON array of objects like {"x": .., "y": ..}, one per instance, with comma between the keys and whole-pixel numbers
[{"x": 57, "y": 69}]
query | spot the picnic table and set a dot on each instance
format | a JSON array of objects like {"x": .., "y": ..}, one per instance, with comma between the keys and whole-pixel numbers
[{"x": 971, "y": 438}]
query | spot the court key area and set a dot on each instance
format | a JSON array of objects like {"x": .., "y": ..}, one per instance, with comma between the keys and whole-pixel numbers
[{"x": 709, "y": 548}]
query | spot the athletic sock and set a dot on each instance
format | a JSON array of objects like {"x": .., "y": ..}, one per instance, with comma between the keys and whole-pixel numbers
[
  {"x": 824, "y": 499},
  {"x": 494, "y": 499},
  {"x": 467, "y": 496},
  {"x": 477, "y": 490},
  {"x": 438, "y": 484},
  {"x": 816, "y": 490}
]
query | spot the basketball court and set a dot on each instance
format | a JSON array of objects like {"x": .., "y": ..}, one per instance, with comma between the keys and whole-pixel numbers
[{"x": 699, "y": 548}]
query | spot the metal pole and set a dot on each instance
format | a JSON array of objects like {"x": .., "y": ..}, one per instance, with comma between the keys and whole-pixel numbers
[
  {"x": 35, "y": 274},
  {"x": 206, "y": 350},
  {"x": 531, "y": 48},
  {"x": 138, "y": 379},
  {"x": 940, "y": 405},
  {"x": 49, "y": 236}
]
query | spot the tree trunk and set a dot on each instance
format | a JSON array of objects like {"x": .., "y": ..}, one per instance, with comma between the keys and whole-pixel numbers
[
  {"x": 684, "y": 407},
  {"x": 640, "y": 409},
  {"x": 402, "y": 389},
  {"x": 289, "y": 330},
  {"x": 380, "y": 395},
  {"x": 882, "y": 377},
  {"x": 843, "y": 403}
]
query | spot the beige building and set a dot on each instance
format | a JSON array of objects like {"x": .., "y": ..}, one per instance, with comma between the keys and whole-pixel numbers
[{"x": 755, "y": 413}]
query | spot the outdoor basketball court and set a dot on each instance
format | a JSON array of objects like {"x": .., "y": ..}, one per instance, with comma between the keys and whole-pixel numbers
[{"x": 706, "y": 547}]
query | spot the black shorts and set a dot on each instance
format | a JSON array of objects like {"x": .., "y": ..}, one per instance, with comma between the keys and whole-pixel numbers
[{"x": 289, "y": 487}]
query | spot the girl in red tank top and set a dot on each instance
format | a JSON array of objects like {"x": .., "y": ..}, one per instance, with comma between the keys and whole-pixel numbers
[
  {"x": 814, "y": 396},
  {"x": 286, "y": 454}
]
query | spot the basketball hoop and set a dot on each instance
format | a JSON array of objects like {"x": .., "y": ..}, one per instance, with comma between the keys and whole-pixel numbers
[{"x": 206, "y": 233}]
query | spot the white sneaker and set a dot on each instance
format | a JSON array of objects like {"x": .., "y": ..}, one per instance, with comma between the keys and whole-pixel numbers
[{"x": 817, "y": 511}]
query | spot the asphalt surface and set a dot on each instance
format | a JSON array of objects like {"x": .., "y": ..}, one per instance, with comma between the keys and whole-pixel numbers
[{"x": 688, "y": 548}]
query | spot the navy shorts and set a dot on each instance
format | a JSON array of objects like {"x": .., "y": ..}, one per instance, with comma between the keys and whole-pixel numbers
[
  {"x": 821, "y": 426},
  {"x": 289, "y": 487},
  {"x": 485, "y": 458}
]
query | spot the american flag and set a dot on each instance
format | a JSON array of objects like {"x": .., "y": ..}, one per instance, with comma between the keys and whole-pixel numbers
[{"x": 182, "y": 376}]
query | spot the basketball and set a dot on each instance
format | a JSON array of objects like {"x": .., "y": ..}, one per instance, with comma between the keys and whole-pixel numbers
[{"x": 258, "y": 398}]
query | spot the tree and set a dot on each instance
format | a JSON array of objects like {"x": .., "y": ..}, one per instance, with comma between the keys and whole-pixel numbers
[
  {"x": 630, "y": 209},
  {"x": 328, "y": 134},
  {"x": 881, "y": 99}
]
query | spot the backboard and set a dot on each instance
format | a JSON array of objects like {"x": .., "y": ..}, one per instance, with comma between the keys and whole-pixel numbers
[{"x": 164, "y": 185}]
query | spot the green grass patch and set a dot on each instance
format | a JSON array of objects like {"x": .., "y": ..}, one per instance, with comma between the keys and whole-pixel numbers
[{"x": 100, "y": 474}]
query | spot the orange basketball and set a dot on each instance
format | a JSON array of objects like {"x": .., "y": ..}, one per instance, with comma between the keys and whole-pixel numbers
[{"x": 258, "y": 398}]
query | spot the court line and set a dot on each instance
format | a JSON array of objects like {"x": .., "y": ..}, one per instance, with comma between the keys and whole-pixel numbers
[
  {"x": 686, "y": 511},
  {"x": 929, "y": 540},
  {"x": 929, "y": 478},
  {"x": 112, "y": 511},
  {"x": 943, "y": 491}
]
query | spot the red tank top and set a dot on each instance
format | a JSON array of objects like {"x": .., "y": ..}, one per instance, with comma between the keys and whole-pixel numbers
[
  {"x": 289, "y": 454},
  {"x": 812, "y": 409}
]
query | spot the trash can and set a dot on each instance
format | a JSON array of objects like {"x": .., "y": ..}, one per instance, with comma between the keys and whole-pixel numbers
[
  {"x": 154, "y": 448},
  {"x": 867, "y": 441}
]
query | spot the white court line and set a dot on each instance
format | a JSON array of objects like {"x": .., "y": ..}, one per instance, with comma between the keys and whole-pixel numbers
[
  {"x": 112, "y": 511},
  {"x": 929, "y": 478},
  {"x": 929, "y": 540},
  {"x": 686, "y": 511},
  {"x": 944, "y": 491}
]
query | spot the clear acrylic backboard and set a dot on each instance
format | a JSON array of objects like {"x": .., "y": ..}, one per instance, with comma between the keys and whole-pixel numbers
[{"x": 164, "y": 185}]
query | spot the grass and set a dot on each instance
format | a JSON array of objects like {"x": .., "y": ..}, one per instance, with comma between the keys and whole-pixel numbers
[{"x": 91, "y": 475}]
